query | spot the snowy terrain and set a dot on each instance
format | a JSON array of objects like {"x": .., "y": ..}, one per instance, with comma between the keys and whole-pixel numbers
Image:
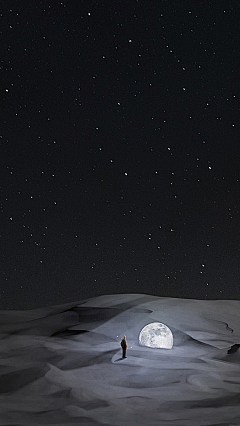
[{"x": 62, "y": 365}]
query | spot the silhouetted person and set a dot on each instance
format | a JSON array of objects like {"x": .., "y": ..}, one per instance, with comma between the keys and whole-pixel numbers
[{"x": 124, "y": 347}]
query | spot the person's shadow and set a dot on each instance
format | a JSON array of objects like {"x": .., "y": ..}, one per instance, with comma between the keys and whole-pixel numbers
[{"x": 120, "y": 359}]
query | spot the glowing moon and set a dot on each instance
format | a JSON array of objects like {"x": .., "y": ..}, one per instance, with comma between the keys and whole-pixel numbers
[{"x": 156, "y": 335}]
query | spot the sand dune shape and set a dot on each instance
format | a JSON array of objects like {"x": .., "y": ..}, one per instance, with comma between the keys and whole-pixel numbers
[{"x": 63, "y": 365}]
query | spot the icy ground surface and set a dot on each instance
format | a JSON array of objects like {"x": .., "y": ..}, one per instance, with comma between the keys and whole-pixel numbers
[{"x": 62, "y": 365}]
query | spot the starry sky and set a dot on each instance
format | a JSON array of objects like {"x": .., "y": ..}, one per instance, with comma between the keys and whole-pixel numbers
[{"x": 119, "y": 150}]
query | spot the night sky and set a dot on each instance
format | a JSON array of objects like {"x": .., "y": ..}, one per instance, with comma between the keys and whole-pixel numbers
[{"x": 119, "y": 150}]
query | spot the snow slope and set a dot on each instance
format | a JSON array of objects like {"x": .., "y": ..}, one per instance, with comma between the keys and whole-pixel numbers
[{"x": 62, "y": 365}]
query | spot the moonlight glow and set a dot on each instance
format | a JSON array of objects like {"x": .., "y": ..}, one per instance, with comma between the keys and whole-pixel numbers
[{"x": 156, "y": 335}]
